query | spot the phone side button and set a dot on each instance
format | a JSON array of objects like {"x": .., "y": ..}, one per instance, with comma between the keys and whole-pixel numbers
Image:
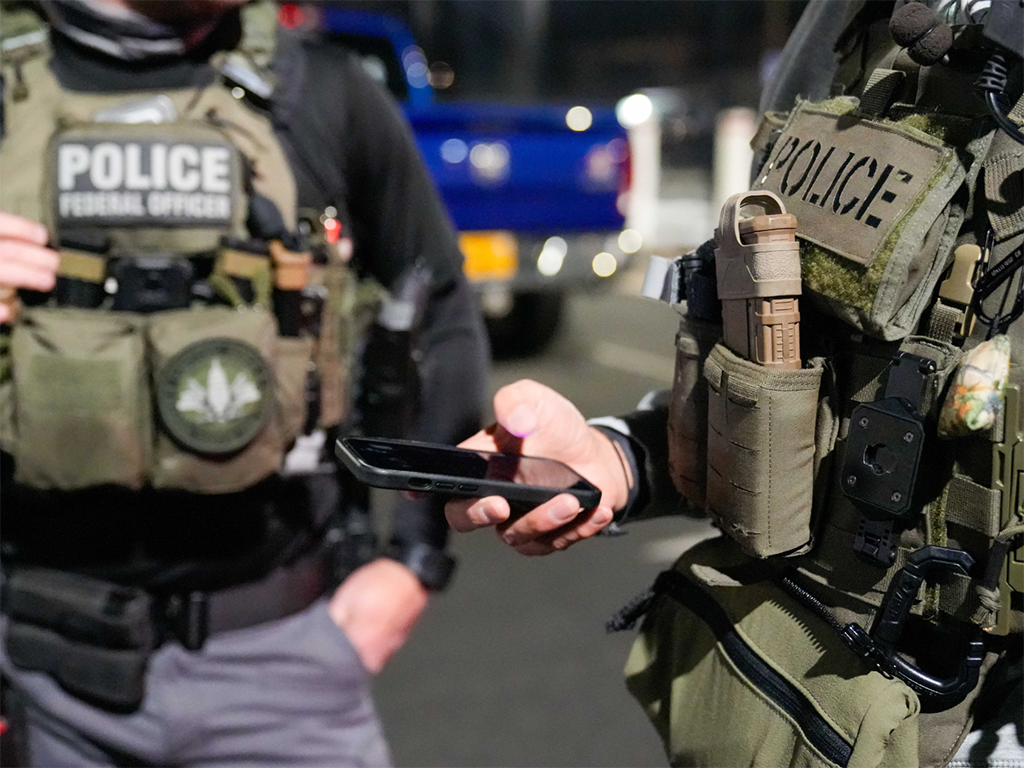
[
  {"x": 466, "y": 487},
  {"x": 419, "y": 482},
  {"x": 444, "y": 486}
]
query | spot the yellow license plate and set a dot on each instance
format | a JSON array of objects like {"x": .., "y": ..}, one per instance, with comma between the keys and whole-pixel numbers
[{"x": 489, "y": 255}]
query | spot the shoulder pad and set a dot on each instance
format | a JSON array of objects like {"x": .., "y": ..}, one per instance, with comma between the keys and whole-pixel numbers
[
  {"x": 259, "y": 32},
  {"x": 24, "y": 35}
]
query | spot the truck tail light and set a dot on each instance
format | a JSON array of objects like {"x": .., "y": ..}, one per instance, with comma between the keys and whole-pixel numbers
[{"x": 290, "y": 16}]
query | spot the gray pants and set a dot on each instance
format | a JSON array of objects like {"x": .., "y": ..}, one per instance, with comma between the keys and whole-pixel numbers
[{"x": 291, "y": 692}]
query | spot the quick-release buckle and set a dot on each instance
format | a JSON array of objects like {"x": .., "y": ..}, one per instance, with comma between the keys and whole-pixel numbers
[{"x": 957, "y": 290}]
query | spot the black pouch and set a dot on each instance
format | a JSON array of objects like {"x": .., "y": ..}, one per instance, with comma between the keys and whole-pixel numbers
[{"x": 92, "y": 636}]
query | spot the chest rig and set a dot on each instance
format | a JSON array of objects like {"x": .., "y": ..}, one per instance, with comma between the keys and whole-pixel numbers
[
  {"x": 835, "y": 477},
  {"x": 193, "y": 333}
]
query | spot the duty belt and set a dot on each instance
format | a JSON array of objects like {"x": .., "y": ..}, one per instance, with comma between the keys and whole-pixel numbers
[{"x": 192, "y": 617}]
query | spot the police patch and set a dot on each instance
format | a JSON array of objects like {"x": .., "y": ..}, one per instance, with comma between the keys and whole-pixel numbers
[
  {"x": 849, "y": 181},
  {"x": 214, "y": 396},
  {"x": 148, "y": 182}
]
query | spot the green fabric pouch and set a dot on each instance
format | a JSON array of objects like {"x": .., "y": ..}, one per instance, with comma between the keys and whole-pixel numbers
[
  {"x": 81, "y": 403},
  {"x": 761, "y": 452},
  {"x": 731, "y": 671},
  {"x": 688, "y": 409},
  {"x": 221, "y": 428}
]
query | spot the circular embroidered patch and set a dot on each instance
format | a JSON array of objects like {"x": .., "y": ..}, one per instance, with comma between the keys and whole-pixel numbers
[{"x": 214, "y": 396}]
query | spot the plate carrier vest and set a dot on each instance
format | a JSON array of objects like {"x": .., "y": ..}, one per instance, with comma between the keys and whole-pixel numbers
[{"x": 193, "y": 335}]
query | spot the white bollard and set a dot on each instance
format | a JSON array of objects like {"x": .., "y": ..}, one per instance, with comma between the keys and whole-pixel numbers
[
  {"x": 734, "y": 128},
  {"x": 645, "y": 155}
]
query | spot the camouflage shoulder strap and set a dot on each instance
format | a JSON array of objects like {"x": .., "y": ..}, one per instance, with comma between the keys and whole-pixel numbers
[
  {"x": 21, "y": 28},
  {"x": 259, "y": 32}
]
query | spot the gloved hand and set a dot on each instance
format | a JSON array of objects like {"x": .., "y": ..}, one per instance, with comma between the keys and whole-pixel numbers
[
  {"x": 534, "y": 420},
  {"x": 376, "y": 607},
  {"x": 25, "y": 261}
]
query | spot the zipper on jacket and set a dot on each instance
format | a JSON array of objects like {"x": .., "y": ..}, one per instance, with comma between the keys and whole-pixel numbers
[{"x": 829, "y": 742}]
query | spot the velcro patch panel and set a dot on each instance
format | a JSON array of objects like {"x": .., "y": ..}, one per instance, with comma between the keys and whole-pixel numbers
[
  {"x": 144, "y": 182},
  {"x": 849, "y": 181}
]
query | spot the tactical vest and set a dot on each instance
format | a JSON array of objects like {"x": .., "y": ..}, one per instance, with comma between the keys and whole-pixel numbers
[
  {"x": 192, "y": 336},
  {"x": 850, "y": 522}
]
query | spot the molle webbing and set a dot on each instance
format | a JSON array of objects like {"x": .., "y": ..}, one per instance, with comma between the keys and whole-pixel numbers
[
  {"x": 943, "y": 322},
  {"x": 973, "y": 506}
]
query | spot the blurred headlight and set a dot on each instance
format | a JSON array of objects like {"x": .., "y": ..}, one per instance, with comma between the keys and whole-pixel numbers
[{"x": 454, "y": 151}]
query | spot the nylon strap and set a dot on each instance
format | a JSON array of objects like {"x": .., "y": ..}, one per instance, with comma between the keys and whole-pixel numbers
[
  {"x": 241, "y": 264},
  {"x": 82, "y": 265},
  {"x": 880, "y": 91},
  {"x": 868, "y": 585},
  {"x": 973, "y": 506},
  {"x": 21, "y": 34},
  {"x": 943, "y": 322}
]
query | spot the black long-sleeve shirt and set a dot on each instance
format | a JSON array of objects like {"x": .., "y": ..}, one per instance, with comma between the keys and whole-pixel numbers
[{"x": 350, "y": 148}]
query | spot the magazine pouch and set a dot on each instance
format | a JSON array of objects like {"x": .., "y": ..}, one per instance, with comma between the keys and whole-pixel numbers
[
  {"x": 760, "y": 452},
  {"x": 81, "y": 409}
]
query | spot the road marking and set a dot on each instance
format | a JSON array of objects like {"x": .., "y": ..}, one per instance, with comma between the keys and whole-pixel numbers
[
  {"x": 668, "y": 550},
  {"x": 635, "y": 361}
]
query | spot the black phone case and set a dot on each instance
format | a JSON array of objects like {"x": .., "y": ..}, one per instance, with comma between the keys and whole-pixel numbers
[{"x": 521, "y": 498}]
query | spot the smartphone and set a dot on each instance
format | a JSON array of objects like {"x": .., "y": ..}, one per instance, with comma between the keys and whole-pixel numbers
[{"x": 525, "y": 481}]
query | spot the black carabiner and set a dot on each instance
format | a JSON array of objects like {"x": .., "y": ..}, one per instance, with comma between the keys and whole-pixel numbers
[
  {"x": 878, "y": 649},
  {"x": 989, "y": 281},
  {"x": 924, "y": 565}
]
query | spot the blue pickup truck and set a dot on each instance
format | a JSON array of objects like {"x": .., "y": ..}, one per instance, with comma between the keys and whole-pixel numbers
[{"x": 537, "y": 193}]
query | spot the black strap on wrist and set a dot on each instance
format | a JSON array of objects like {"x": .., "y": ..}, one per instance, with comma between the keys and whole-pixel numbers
[
  {"x": 628, "y": 451},
  {"x": 432, "y": 567}
]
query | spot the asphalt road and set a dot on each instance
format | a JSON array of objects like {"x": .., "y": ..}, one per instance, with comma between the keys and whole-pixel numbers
[{"x": 512, "y": 667}]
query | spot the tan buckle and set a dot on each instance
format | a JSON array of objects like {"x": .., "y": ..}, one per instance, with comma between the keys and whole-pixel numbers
[
  {"x": 82, "y": 265},
  {"x": 957, "y": 290},
  {"x": 291, "y": 269}
]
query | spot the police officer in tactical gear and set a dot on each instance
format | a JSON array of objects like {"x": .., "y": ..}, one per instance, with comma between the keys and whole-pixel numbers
[
  {"x": 863, "y": 603},
  {"x": 190, "y": 200}
]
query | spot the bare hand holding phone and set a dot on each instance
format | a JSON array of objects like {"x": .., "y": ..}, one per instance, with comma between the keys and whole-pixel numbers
[{"x": 534, "y": 420}]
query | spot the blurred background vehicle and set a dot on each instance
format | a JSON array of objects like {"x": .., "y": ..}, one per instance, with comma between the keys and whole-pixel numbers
[{"x": 538, "y": 193}]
